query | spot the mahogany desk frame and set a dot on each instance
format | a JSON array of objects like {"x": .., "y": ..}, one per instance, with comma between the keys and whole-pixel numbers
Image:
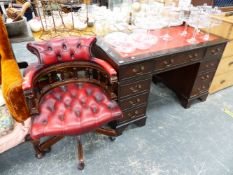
[{"x": 195, "y": 65}]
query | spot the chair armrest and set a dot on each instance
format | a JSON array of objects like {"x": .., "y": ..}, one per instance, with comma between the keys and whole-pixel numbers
[
  {"x": 29, "y": 74},
  {"x": 107, "y": 67},
  {"x": 28, "y": 87}
]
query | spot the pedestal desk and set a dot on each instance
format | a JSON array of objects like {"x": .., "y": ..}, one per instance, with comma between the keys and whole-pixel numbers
[{"x": 187, "y": 69}]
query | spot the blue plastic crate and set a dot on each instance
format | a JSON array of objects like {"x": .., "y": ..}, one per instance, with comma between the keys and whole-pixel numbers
[{"x": 223, "y": 3}]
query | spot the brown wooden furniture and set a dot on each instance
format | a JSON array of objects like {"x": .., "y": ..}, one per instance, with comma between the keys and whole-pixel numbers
[
  {"x": 227, "y": 9},
  {"x": 201, "y": 2},
  {"x": 188, "y": 70}
]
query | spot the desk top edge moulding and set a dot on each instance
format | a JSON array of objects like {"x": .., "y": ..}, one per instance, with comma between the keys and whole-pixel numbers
[{"x": 160, "y": 49}]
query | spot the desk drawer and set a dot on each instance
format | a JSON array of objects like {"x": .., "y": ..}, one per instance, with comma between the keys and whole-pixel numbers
[
  {"x": 134, "y": 88},
  {"x": 215, "y": 51},
  {"x": 202, "y": 83},
  {"x": 135, "y": 70},
  {"x": 178, "y": 59},
  {"x": 228, "y": 50},
  {"x": 226, "y": 65},
  {"x": 134, "y": 101},
  {"x": 225, "y": 29},
  {"x": 221, "y": 81},
  {"x": 209, "y": 65},
  {"x": 133, "y": 114}
]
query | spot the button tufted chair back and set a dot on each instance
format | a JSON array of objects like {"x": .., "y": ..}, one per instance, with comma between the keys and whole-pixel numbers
[
  {"x": 69, "y": 92},
  {"x": 62, "y": 50}
]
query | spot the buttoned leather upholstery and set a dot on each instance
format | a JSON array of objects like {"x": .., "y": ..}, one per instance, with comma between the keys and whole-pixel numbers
[
  {"x": 73, "y": 109},
  {"x": 62, "y": 50}
]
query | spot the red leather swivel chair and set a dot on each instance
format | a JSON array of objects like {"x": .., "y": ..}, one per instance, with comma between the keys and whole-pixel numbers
[{"x": 69, "y": 92}]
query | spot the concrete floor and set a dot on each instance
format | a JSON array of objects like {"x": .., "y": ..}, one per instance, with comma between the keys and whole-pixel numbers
[{"x": 175, "y": 141}]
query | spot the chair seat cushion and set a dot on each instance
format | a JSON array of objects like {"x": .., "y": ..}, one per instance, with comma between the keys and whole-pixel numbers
[{"x": 73, "y": 109}]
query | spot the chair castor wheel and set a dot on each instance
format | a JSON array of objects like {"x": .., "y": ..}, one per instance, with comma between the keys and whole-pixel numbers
[
  {"x": 39, "y": 155},
  {"x": 47, "y": 150},
  {"x": 81, "y": 166},
  {"x": 112, "y": 138}
]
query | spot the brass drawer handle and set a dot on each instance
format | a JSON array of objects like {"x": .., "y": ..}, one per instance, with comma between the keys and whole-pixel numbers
[
  {"x": 133, "y": 114},
  {"x": 190, "y": 56},
  {"x": 165, "y": 62},
  {"x": 131, "y": 102},
  {"x": 133, "y": 89},
  {"x": 205, "y": 77},
  {"x": 231, "y": 63},
  {"x": 136, "y": 88},
  {"x": 202, "y": 88},
  {"x": 134, "y": 70},
  {"x": 223, "y": 81},
  {"x": 130, "y": 115},
  {"x": 193, "y": 57},
  {"x": 168, "y": 63},
  {"x": 210, "y": 65},
  {"x": 215, "y": 51},
  {"x": 134, "y": 103}
]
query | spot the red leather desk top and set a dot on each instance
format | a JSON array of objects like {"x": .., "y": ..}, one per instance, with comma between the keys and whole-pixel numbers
[{"x": 178, "y": 41}]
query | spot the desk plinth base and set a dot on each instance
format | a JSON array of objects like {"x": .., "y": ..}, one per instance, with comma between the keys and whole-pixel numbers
[
  {"x": 186, "y": 103},
  {"x": 139, "y": 122}
]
